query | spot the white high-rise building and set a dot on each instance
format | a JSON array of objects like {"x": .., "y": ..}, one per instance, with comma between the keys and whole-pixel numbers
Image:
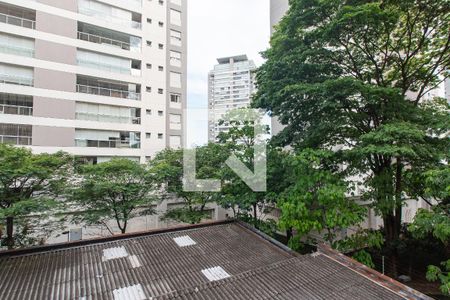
[
  {"x": 230, "y": 86},
  {"x": 95, "y": 78}
]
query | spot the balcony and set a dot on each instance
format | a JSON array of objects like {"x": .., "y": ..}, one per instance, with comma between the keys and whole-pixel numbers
[
  {"x": 17, "y": 16},
  {"x": 102, "y": 40},
  {"x": 14, "y": 50},
  {"x": 15, "y": 134},
  {"x": 14, "y": 79},
  {"x": 16, "y": 140},
  {"x": 94, "y": 90},
  {"x": 106, "y": 118},
  {"x": 104, "y": 12},
  {"x": 124, "y": 144},
  {"x": 16, "y": 110},
  {"x": 102, "y": 66},
  {"x": 103, "y": 36}
]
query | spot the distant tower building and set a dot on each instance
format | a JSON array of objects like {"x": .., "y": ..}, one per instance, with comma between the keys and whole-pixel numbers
[{"x": 230, "y": 86}]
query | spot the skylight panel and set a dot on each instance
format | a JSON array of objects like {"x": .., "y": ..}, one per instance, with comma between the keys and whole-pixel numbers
[
  {"x": 135, "y": 292},
  {"x": 216, "y": 273},
  {"x": 184, "y": 241},
  {"x": 114, "y": 253}
]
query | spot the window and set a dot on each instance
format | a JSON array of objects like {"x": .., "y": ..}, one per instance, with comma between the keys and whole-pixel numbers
[
  {"x": 148, "y": 89},
  {"x": 175, "y": 58},
  {"x": 16, "y": 104},
  {"x": 148, "y": 135},
  {"x": 15, "y": 134},
  {"x": 160, "y": 113},
  {"x": 149, "y": 66},
  {"x": 149, "y": 21},
  {"x": 175, "y": 120},
  {"x": 175, "y": 98},
  {"x": 175, "y": 38},
  {"x": 161, "y": 24},
  {"x": 175, "y": 17},
  {"x": 161, "y": 68},
  {"x": 149, "y": 43},
  {"x": 107, "y": 113},
  {"x": 148, "y": 112},
  {"x": 161, "y": 2},
  {"x": 161, "y": 46},
  {"x": 175, "y": 141},
  {"x": 161, "y": 91},
  {"x": 177, "y": 2},
  {"x": 16, "y": 75},
  {"x": 107, "y": 139},
  {"x": 175, "y": 80},
  {"x": 160, "y": 136}
]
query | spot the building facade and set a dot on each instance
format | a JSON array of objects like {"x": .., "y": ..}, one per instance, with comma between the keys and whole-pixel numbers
[
  {"x": 278, "y": 9},
  {"x": 95, "y": 78},
  {"x": 230, "y": 86}
]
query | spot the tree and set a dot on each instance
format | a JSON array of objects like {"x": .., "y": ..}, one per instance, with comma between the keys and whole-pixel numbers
[
  {"x": 355, "y": 74},
  {"x": 317, "y": 199},
  {"x": 29, "y": 184},
  {"x": 117, "y": 190},
  {"x": 167, "y": 167},
  {"x": 241, "y": 139},
  {"x": 436, "y": 221}
]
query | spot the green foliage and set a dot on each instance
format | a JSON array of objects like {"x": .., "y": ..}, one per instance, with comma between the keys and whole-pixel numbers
[
  {"x": 118, "y": 190},
  {"x": 436, "y": 221},
  {"x": 185, "y": 215},
  {"x": 29, "y": 187},
  {"x": 353, "y": 75},
  {"x": 442, "y": 274},
  {"x": 317, "y": 200},
  {"x": 167, "y": 169},
  {"x": 364, "y": 257}
]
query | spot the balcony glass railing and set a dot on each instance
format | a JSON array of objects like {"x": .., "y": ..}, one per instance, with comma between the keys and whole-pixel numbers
[
  {"x": 15, "y": 50},
  {"x": 16, "y": 110},
  {"x": 103, "y": 66},
  {"x": 108, "y": 144},
  {"x": 12, "y": 79},
  {"x": 107, "y": 118},
  {"x": 8, "y": 19},
  {"x": 16, "y": 140},
  {"x": 93, "y": 90},
  {"x": 102, "y": 40},
  {"x": 101, "y": 15}
]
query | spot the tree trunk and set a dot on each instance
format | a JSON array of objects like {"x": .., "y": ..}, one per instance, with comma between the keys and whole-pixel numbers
[
  {"x": 10, "y": 232},
  {"x": 289, "y": 234},
  {"x": 255, "y": 215}
]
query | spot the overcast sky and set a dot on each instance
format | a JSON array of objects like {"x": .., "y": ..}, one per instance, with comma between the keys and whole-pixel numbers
[{"x": 219, "y": 28}]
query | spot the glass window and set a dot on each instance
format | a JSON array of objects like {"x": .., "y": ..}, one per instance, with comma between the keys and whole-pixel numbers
[
  {"x": 175, "y": 17},
  {"x": 175, "y": 80},
  {"x": 175, "y": 38},
  {"x": 175, "y": 58}
]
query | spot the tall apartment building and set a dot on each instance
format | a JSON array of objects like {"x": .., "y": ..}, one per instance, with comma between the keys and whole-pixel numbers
[
  {"x": 95, "y": 78},
  {"x": 230, "y": 86}
]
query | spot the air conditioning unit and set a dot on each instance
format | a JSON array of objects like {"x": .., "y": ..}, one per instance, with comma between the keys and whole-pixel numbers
[{"x": 75, "y": 234}]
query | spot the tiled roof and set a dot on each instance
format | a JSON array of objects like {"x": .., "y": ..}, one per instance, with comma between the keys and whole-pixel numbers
[{"x": 226, "y": 261}]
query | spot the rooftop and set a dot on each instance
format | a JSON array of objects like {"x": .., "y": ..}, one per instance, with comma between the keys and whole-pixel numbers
[
  {"x": 225, "y": 260},
  {"x": 237, "y": 58}
]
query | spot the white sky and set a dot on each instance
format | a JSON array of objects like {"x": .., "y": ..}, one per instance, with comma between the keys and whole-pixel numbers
[{"x": 219, "y": 28}]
